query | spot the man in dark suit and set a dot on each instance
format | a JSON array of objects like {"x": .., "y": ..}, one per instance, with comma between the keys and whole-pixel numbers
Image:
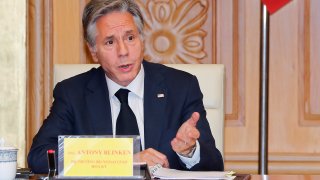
[{"x": 167, "y": 103}]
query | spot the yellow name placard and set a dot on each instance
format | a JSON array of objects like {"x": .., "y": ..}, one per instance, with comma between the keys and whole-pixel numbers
[{"x": 98, "y": 157}]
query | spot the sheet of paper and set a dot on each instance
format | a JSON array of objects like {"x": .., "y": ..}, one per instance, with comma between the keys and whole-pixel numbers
[{"x": 165, "y": 173}]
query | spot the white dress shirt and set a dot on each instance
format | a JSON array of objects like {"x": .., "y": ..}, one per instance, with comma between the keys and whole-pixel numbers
[{"x": 135, "y": 100}]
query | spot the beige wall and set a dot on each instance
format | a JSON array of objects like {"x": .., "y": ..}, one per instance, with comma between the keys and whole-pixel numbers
[{"x": 13, "y": 74}]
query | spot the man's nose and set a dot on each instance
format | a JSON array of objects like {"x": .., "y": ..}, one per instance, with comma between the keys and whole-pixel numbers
[{"x": 122, "y": 49}]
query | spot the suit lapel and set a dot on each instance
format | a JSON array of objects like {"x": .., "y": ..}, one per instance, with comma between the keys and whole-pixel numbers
[
  {"x": 98, "y": 104},
  {"x": 155, "y": 101},
  {"x": 154, "y": 106}
]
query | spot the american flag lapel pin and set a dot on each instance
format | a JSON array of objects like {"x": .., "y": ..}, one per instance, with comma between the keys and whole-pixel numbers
[{"x": 160, "y": 95}]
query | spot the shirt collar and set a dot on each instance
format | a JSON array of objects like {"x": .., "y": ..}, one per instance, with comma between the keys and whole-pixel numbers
[{"x": 136, "y": 86}]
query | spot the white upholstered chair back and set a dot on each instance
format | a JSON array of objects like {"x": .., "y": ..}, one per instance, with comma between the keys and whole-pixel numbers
[{"x": 211, "y": 78}]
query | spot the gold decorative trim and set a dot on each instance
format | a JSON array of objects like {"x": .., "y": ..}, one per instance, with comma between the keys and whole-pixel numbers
[
  {"x": 85, "y": 56},
  {"x": 39, "y": 64},
  {"x": 306, "y": 117},
  {"x": 174, "y": 31},
  {"x": 235, "y": 118},
  {"x": 288, "y": 163},
  {"x": 214, "y": 32}
]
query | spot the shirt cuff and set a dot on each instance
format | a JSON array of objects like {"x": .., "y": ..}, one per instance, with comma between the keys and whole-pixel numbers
[{"x": 195, "y": 159}]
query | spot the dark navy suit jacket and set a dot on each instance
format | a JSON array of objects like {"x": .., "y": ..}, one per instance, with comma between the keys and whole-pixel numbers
[{"x": 81, "y": 107}]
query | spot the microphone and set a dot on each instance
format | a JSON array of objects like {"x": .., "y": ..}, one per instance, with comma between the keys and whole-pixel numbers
[{"x": 51, "y": 163}]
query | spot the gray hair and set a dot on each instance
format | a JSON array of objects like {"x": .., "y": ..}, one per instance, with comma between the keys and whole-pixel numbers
[{"x": 97, "y": 8}]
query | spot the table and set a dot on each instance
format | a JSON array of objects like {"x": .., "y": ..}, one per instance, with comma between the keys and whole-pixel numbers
[
  {"x": 239, "y": 177},
  {"x": 284, "y": 177},
  {"x": 43, "y": 176}
]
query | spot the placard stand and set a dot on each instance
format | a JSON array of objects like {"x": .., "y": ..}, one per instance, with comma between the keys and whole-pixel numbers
[{"x": 87, "y": 156}]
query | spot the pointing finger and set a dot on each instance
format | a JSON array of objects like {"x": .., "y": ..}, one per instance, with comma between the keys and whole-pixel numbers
[{"x": 194, "y": 119}]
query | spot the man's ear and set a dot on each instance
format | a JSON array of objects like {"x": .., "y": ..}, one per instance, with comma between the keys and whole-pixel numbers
[{"x": 93, "y": 53}]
